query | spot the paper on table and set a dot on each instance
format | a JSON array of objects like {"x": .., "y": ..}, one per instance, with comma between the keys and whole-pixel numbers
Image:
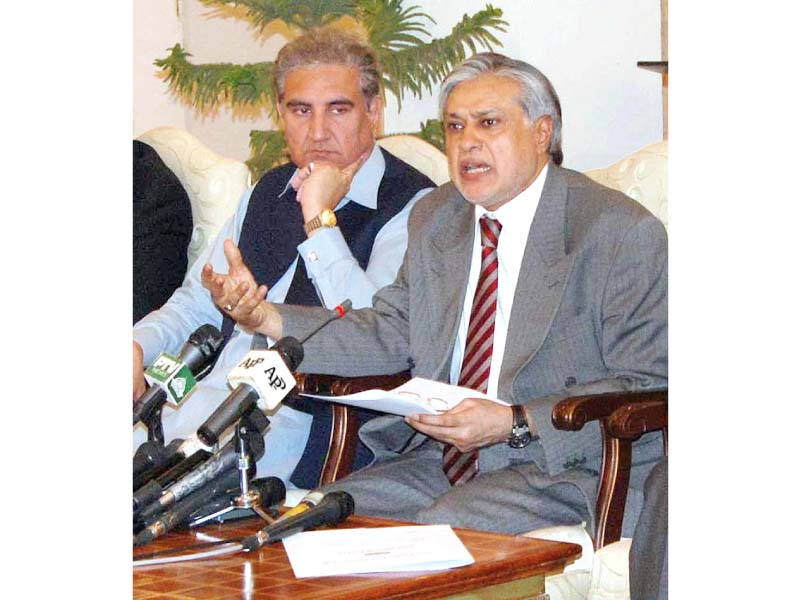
[
  {"x": 375, "y": 550},
  {"x": 414, "y": 397}
]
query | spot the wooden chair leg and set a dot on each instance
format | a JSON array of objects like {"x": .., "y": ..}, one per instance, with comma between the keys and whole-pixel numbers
[
  {"x": 614, "y": 479},
  {"x": 342, "y": 445}
]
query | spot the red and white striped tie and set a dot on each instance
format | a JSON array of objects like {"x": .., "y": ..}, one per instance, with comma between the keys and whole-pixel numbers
[{"x": 461, "y": 467}]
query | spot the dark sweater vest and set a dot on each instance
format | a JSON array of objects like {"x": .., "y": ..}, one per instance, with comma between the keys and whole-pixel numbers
[{"x": 272, "y": 230}]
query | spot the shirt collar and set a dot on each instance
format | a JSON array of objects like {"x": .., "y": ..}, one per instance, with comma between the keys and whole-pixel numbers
[
  {"x": 364, "y": 187},
  {"x": 519, "y": 211}
]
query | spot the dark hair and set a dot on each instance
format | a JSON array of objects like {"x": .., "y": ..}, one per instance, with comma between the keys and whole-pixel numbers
[{"x": 329, "y": 46}]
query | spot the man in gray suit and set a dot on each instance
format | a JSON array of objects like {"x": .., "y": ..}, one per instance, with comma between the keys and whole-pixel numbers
[{"x": 522, "y": 279}]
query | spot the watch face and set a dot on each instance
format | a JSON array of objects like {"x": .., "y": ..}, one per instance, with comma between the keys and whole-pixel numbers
[
  {"x": 328, "y": 218},
  {"x": 519, "y": 441}
]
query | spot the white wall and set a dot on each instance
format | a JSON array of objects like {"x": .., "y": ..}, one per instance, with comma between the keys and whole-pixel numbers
[
  {"x": 156, "y": 27},
  {"x": 587, "y": 48}
]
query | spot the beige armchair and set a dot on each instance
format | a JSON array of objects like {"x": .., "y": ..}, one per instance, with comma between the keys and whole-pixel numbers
[{"x": 214, "y": 183}]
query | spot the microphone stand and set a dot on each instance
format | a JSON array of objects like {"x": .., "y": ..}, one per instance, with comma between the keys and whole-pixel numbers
[
  {"x": 248, "y": 502},
  {"x": 155, "y": 428}
]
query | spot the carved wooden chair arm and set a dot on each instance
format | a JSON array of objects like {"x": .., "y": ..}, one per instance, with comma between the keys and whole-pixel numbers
[
  {"x": 623, "y": 416},
  {"x": 572, "y": 414},
  {"x": 344, "y": 427},
  {"x": 632, "y": 420}
]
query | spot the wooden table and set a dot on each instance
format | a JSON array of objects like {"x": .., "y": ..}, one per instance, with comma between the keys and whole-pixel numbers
[{"x": 506, "y": 567}]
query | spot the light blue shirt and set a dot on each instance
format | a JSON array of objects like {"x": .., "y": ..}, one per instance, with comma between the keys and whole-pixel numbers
[{"x": 336, "y": 276}]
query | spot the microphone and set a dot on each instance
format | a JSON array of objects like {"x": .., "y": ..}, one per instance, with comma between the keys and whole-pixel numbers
[
  {"x": 269, "y": 491},
  {"x": 334, "y": 508},
  {"x": 310, "y": 500},
  {"x": 337, "y": 312},
  {"x": 225, "y": 459},
  {"x": 195, "y": 359},
  {"x": 190, "y": 453},
  {"x": 158, "y": 526},
  {"x": 151, "y": 459},
  {"x": 262, "y": 379}
]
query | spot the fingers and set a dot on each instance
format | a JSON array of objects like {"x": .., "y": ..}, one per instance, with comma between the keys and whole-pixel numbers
[
  {"x": 325, "y": 187},
  {"x": 213, "y": 282},
  {"x": 209, "y": 278},
  {"x": 229, "y": 301},
  {"x": 472, "y": 424},
  {"x": 248, "y": 311},
  {"x": 350, "y": 170},
  {"x": 139, "y": 384},
  {"x": 233, "y": 255},
  {"x": 300, "y": 175}
]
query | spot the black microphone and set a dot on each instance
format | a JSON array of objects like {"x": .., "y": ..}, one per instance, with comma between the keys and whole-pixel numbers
[
  {"x": 152, "y": 489},
  {"x": 186, "y": 458},
  {"x": 337, "y": 312},
  {"x": 257, "y": 379},
  {"x": 262, "y": 380},
  {"x": 198, "y": 353},
  {"x": 151, "y": 459},
  {"x": 224, "y": 460},
  {"x": 334, "y": 508},
  {"x": 159, "y": 525}
]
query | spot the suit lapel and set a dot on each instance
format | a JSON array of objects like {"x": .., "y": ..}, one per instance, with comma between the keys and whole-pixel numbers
[
  {"x": 450, "y": 252},
  {"x": 543, "y": 275}
]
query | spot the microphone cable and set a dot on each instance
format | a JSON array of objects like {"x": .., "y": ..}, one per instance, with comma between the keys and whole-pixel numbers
[{"x": 232, "y": 548}]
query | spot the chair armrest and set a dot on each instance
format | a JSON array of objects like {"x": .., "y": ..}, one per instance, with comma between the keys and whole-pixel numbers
[
  {"x": 632, "y": 420},
  {"x": 344, "y": 426},
  {"x": 623, "y": 416},
  {"x": 571, "y": 414}
]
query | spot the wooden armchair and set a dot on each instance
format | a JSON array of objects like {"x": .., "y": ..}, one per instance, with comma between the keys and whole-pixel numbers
[
  {"x": 344, "y": 429},
  {"x": 623, "y": 418}
]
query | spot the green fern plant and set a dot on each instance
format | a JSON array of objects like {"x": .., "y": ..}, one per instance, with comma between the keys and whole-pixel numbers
[{"x": 412, "y": 62}]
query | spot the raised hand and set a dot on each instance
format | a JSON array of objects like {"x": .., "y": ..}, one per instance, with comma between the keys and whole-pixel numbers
[
  {"x": 322, "y": 186},
  {"x": 235, "y": 293}
]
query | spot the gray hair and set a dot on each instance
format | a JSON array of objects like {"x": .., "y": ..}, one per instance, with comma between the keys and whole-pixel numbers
[
  {"x": 328, "y": 46},
  {"x": 538, "y": 98}
]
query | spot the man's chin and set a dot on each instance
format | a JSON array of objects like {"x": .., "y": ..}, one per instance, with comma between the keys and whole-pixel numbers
[
  {"x": 473, "y": 194},
  {"x": 322, "y": 156}
]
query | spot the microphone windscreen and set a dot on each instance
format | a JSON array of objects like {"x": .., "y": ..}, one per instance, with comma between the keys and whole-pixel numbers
[
  {"x": 270, "y": 490},
  {"x": 291, "y": 351}
]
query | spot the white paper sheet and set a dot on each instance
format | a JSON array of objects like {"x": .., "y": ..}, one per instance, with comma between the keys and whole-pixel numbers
[
  {"x": 375, "y": 550},
  {"x": 417, "y": 396}
]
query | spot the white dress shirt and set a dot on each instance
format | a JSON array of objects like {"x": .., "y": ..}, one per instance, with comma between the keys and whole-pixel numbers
[{"x": 516, "y": 217}]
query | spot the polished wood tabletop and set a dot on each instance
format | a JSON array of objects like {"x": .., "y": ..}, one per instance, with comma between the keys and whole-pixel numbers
[{"x": 505, "y": 567}]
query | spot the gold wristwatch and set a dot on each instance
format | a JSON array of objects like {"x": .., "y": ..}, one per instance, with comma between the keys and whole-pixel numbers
[{"x": 327, "y": 218}]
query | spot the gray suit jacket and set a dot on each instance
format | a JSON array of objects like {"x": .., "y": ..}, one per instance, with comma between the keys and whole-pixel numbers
[{"x": 589, "y": 316}]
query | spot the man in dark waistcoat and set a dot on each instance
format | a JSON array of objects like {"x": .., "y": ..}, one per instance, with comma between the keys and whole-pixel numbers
[{"x": 328, "y": 226}]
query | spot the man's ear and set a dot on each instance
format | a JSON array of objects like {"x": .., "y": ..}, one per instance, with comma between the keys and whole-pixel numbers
[
  {"x": 279, "y": 107},
  {"x": 543, "y": 130},
  {"x": 375, "y": 110}
]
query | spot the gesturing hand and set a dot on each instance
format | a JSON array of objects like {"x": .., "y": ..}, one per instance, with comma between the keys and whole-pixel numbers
[
  {"x": 236, "y": 293},
  {"x": 470, "y": 425}
]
